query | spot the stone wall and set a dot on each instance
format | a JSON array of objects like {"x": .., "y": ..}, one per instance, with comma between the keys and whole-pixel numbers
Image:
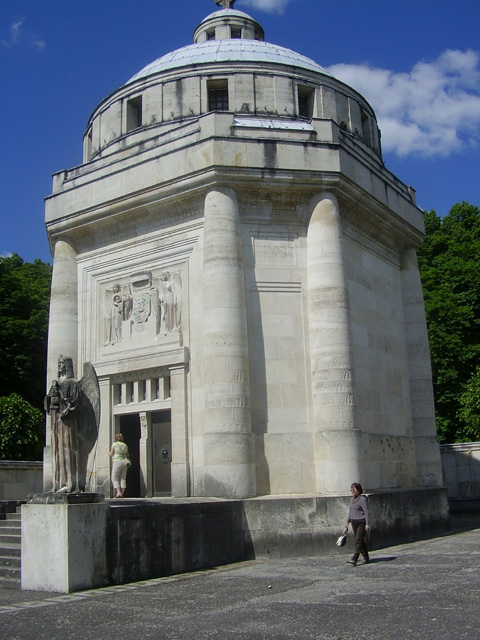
[
  {"x": 18, "y": 479},
  {"x": 152, "y": 539},
  {"x": 288, "y": 526},
  {"x": 461, "y": 473}
]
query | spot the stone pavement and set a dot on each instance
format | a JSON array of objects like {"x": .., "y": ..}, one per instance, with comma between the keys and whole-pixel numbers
[{"x": 428, "y": 590}]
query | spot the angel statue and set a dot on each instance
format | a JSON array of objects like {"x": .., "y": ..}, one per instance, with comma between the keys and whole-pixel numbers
[
  {"x": 226, "y": 4},
  {"x": 74, "y": 409}
]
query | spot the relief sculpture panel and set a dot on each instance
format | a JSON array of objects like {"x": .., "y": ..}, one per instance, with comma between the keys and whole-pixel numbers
[{"x": 142, "y": 304}]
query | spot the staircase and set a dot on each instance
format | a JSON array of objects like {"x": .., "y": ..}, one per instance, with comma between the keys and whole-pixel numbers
[{"x": 10, "y": 550}]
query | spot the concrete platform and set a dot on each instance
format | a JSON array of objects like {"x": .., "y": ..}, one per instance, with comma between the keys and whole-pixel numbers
[
  {"x": 424, "y": 590},
  {"x": 73, "y": 542}
]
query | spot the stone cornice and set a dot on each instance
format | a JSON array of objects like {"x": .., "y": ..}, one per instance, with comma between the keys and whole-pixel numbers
[{"x": 283, "y": 197}]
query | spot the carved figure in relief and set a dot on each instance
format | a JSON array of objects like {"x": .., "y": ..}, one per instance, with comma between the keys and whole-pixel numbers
[
  {"x": 116, "y": 318},
  {"x": 169, "y": 303},
  {"x": 171, "y": 300},
  {"x": 74, "y": 409},
  {"x": 119, "y": 305}
]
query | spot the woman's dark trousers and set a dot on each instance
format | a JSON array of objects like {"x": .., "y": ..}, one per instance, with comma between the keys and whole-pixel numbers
[{"x": 359, "y": 533}]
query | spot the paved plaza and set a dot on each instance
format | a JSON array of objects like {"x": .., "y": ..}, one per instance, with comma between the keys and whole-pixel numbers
[{"x": 427, "y": 590}]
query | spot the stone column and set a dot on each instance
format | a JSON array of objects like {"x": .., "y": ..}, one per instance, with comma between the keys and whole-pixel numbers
[
  {"x": 145, "y": 455},
  {"x": 427, "y": 449},
  {"x": 99, "y": 460},
  {"x": 229, "y": 469},
  {"x": 63, "y": 322},
  {"x": 180, "y": 451},
  {"x": 62, "y": 327},
  {"x": 337, "y": 441}
]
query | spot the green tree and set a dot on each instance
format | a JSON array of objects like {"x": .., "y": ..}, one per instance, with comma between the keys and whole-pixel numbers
[
  {"x": 22, "y": 429},
  {"x": 469, "y": 411},
  {"x": 24, "y": 306},
  {"x": 450, "y": 270}
]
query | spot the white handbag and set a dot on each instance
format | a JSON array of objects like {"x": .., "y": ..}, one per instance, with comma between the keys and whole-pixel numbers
[{"x": 342, "y": 539}]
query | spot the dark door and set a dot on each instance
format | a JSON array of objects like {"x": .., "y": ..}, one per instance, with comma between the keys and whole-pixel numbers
[
  {"x": 130, "y": 428},
  {"x": 162, "y": 453}
]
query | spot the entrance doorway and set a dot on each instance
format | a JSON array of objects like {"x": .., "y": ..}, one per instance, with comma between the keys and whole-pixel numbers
[
  {"x": 130, "y": 428},
  {"x": 162, "y": 452}
]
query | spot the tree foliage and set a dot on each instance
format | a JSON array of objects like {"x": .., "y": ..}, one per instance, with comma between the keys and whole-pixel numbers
[
  {"x": 449, "y": 262},
  {"x": 24, "y": 306},
  {"x": 21, "y": 429}
]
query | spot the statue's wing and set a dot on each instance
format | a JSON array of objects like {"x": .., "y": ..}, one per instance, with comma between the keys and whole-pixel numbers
[
  {"x": 89, "y": 418},
  {"x": 91, "y": 389}
]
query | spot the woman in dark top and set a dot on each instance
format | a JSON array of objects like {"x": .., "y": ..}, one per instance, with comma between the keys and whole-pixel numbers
[{"x": 360, "y": 519}]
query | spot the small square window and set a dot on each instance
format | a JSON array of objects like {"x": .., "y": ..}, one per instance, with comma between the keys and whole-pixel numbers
[
  {"x": 236, "y": 33},
  {"x": 134, "y": 113},
  {"x": 303, "y": 106},
  {"x": 305, "y": 101},
  {"x": 210, "y": 35},
  {"x": 218, "y": 95}
]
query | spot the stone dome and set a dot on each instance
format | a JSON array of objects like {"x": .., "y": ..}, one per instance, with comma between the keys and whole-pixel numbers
[
  {"x": 241, "y": 51},
  {"x": 230, "y": 68},
  {"x": 232, "y": 36}
]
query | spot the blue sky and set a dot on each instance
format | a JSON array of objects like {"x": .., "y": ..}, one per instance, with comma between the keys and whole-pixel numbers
[{"x": 416, "y": 61}]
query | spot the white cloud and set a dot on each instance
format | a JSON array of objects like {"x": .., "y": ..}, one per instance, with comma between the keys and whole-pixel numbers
[
  {"x": 15, "y": 30},
  {"x": 271, "y": 6},
  {"x": 432, "y": 110},
  {"x": 38, "y": 43},
  {"x": 19, "y": 35}
]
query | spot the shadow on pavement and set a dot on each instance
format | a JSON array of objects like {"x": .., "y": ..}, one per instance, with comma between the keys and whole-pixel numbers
[{"x": 378, "y": 559}]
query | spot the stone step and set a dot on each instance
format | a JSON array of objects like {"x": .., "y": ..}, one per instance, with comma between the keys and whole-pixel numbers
[
  {"x": 13, "y": 516},
  {"x": 11, "y": 549},
  {"x": 11, "y": 522},
  {"x": 10, "y": 572},
  {"x": 14, "y": 562},
  {"x": 10, "y": 538},
  {"x": 10, "y": 583},
  {"x": 10, "y": 531}
]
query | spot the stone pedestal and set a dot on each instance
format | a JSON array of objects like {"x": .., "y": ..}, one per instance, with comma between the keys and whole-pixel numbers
[{"x": 64, "y": 542}]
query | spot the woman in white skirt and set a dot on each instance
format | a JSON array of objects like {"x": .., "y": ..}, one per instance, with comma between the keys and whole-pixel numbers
[{"x": 121, "y": 462}]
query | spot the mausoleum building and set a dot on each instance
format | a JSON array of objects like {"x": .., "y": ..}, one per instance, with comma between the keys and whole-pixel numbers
[{"x": 239, "y": 266}]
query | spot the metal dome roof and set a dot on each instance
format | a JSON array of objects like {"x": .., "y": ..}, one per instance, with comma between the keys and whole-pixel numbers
[{"x": 228, "y": 51}]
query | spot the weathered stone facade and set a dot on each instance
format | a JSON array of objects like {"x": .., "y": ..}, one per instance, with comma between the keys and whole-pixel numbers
[{"x": 239, "y": 266}]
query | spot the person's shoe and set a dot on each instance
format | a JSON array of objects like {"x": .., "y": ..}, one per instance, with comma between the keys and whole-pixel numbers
[
  {"x": 366, "y": 561},
  {"x": 354, "y": 562}
]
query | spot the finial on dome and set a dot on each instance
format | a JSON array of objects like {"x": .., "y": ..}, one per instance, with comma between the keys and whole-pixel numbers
[{"x": 226, "y": 4}]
